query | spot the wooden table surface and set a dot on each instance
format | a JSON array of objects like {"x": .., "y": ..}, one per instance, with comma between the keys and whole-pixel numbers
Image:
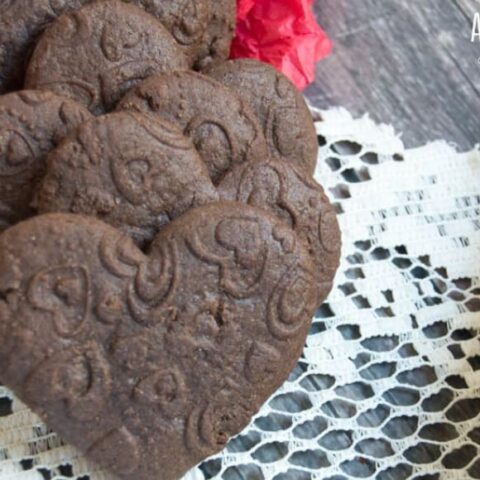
[{"x": 410, "y": 63}]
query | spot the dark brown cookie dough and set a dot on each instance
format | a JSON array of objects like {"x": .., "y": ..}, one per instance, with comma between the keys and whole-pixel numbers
[
  {"x": 97, "y": 53},
  {"x": 134, "y": 171},
  {"x": 149, "y": 364},
  {"x": 280, "y": 107},
  {"x": 31, "y": 124},
  {"x": 223, "y": 128},
  {"x": 300, "y": 201}
]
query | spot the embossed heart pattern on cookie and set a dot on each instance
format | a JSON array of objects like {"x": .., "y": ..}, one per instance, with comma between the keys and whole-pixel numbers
[
  {"x": 140, "y": 359},
  {"x": 159, "y": 265}
]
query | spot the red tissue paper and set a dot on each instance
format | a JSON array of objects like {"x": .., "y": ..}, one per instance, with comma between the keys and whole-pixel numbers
[{"x": 283, "y": 33}]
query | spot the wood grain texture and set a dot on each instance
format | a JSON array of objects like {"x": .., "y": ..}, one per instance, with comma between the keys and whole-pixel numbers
[
  {"x": 407, "y": 63},
  {"x": 469, "y": 7}
]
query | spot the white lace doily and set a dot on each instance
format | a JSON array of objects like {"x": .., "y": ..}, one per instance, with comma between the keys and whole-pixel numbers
[{"x": 388, "y": 387}]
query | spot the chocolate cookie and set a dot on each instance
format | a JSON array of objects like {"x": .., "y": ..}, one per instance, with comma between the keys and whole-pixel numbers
[
  {"x": 300, "y": 201},
  {"x": 204, "y": 28},
  {"x": 222, "y": 127},
  {"x": 136, "y": 172},
  {"x": 31, "y": 124},
  {"x": 97, "y": 53},
  {"x": 151, "y": 363},
  {"x": 21, "y": 22},
  {"x": 187, "y": 20},
  {"x": 283, "y": 113},
  {"x": 217, "y": 41}
]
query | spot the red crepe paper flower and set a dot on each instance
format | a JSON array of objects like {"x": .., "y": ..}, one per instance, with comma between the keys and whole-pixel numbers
[
  {"x": 243, "y": 8},
  {"x": 283, "y": 33}
]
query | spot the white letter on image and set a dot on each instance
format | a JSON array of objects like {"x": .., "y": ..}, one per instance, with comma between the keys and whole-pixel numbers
[{"x": 476, "y": 27}]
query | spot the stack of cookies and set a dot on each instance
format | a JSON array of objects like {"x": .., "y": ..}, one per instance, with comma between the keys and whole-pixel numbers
[{"x": 164, "y": 244}]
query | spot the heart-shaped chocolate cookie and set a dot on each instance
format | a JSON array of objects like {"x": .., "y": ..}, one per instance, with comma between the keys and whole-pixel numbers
[
  {"x": 294, "y": 196},
  {"x": 136, "y": 172},
  {"x": 150, "y": 363},
  {"x": 32, "y": 123},
  {"x": 225, "y": 132},
  {"x": 279, "y": 106},
  {"x": 95, "y": 54}
]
